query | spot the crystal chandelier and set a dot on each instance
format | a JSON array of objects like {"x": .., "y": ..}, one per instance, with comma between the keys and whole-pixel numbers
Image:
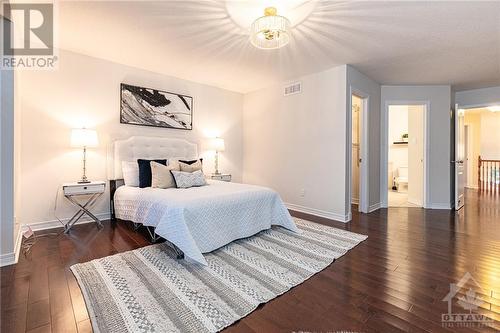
[{"x": 270, "y": 31}]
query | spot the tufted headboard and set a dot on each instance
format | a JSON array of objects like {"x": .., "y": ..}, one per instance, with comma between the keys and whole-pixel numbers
[{"x": 147, "y": 147}]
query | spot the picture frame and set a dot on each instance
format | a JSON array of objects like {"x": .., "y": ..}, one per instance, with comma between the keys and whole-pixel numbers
[{"x": 156, "y": 108}]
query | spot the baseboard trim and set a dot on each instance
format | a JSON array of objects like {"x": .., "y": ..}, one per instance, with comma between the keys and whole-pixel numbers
[
  {"x": 374, "y": 207},
  {"x": 438, "y": 206},
  {"x": 7, "y": 259},
  {"x": 51, "y": 224},
  {"x": 12, "y": 258},
  {"x": 17, "y": 247},
  {"x": 319, "y": 213}
]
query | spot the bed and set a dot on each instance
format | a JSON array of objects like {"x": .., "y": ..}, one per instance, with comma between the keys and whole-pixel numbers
[{"x": 196, "y": 220}]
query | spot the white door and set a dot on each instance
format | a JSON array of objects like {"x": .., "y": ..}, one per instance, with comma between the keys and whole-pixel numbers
[
  {"x": 466, "y": 155},
  {"x": 416, "y": 114},
  {"x": 355, "y": 185},
  {"x": 459, "y": 158}
]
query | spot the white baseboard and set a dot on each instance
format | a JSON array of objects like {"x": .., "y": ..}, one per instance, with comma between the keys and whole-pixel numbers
[
  {"x": 17, "y": 246},
  {"x": 474, "y": 187},
  {"x": 438, "y": 206},
  {"x": 7, "y": 259},
  {"x": 12, "y": 258},
  {"x": 44, "y": 225},
  {"x": 374, "y": 207},
  {"x": 320, "y": 213}
]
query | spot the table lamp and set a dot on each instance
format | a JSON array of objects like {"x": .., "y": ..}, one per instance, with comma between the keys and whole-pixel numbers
[
  {"x": 84, "y": 138},
  {"x": 217, "y": 144}
]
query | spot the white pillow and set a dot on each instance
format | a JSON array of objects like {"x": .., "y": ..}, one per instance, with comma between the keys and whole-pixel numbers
[
  {"x": 188, "y": 179},
  {"x": 130, "y": 173}
]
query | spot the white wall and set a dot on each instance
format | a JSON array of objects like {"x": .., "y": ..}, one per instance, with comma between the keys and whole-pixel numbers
[
  {"x": 357, "y": 81},
  {"x": 398, "y": 154},
  {"x": 490, "y": 135},
  {"x": 6, "y": 166},
  {"x": 478, "y": 97},
  {"x": 416, "y": 154},
  {"x": 84, "y": 91},
  {"x": 297, "y": 144},
  {"x": 439, "y": 131},
  {"x": 473, "y": 121}
]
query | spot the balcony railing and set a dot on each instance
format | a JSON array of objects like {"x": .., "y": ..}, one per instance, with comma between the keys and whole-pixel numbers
[{"x": 488, "y": 175}]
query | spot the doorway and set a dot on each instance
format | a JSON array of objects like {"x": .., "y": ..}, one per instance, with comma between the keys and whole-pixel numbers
[
  {"x": 357, "y": 105},
  {"x": 357, "y": 166},
  {"x": 406, "y": 155},
  {"x": 477, "y": 152}
]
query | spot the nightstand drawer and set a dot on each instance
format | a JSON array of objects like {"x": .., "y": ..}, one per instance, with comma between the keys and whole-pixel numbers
[
  {"x": 83, "y": 189},
  {"x": 224, "y": 177}
]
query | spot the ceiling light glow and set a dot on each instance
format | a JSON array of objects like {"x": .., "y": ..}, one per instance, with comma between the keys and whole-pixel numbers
[
  {"x": 494, "y": 108},
  {"x": 244, "y": 12},
  {"x": 270, "y": 31}
]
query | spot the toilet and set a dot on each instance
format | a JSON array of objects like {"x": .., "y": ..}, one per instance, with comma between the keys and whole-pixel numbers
[{"x": 402, "y": 179}]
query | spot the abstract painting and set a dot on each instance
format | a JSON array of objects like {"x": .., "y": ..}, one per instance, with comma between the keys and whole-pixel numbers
[{"x": 152, "y": 107}]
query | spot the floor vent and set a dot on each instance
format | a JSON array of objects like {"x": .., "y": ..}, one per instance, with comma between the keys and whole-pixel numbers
[{"x": 293, "y": 88}]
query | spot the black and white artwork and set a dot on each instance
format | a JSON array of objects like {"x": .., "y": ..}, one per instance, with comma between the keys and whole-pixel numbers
[{"x": 152, "y": 107}]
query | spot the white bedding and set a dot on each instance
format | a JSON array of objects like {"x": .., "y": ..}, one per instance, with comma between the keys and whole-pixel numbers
[{"x": 201, "y": 219}]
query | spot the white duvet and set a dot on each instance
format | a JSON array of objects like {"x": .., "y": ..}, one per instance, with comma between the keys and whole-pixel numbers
[{"x": 201, "y": 219}]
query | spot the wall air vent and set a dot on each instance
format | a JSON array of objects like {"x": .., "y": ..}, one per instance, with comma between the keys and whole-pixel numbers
[{"x": 293, "y": 88}]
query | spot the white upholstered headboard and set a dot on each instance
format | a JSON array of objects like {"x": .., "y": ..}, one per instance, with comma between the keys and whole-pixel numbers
[{"x": 148, "y": 147}]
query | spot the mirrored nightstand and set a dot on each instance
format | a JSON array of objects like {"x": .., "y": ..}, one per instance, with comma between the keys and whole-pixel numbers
[
  {"x": 92, "y": 191},
  {"x": 225, "y": 177}
]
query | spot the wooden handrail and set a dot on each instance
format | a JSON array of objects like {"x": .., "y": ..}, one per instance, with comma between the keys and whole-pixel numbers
[{"x": 488, "y": 175}]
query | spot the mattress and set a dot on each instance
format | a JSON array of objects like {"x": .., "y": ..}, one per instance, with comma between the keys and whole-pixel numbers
[{"x": 201, "y": 219}]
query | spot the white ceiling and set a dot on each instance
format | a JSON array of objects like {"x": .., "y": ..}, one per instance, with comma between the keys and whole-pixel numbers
[
  {"x": 478, "y": 111},
  {"x": 455, "y": 43}
]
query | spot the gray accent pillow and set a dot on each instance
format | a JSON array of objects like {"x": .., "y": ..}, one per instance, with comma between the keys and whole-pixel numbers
[
  {"x": 161, "y": 176},
  {"x": 188, "y": 179}
]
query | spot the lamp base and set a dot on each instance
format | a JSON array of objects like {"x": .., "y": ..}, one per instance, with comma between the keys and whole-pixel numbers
[{"x": 84, "y": 179}]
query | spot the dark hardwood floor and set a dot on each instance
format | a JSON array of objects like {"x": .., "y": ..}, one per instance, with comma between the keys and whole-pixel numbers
[{"x": 393, "y": 282}]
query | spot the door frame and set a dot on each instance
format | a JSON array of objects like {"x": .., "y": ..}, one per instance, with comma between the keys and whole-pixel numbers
[
  {"x": 464, "y": 107},
  {"x": 363, "y": 205},
  {"x": 384, "y": 150},
  {"x": 456, "y": 163},
  {"x": 468, "y": 161}
]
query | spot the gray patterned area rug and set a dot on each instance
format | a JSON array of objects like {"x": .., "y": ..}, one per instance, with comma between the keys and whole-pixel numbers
[{"x": 149, "y": 290}]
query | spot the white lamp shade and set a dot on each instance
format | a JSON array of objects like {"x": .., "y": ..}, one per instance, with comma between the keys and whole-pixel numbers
[
  {"x": 217, "y": 144},
  {"x": 82, "y": 137}
]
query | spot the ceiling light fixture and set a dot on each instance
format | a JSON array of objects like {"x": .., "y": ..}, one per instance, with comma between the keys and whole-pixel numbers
[
  {"x": 270, "y": 31},
  {"x": 495, "y": 108}
]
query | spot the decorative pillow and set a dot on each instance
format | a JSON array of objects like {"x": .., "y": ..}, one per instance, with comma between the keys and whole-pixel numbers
[
  {"x": 130, "y": 172},
  {"x": 188, "y": 179},
  {"x": 191, "y": 166},
  {"x": 190, "y": 162},
  {"x": 161, "y": 176},
  {"x": 145, "y": 171}
]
